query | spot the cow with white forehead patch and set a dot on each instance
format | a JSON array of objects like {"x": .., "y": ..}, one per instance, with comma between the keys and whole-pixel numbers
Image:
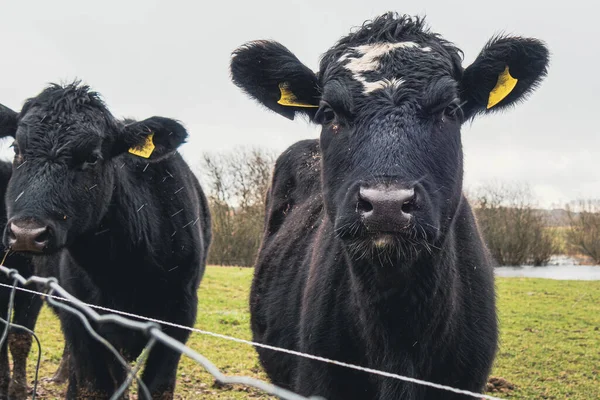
[{"x": 371, "y": 254}]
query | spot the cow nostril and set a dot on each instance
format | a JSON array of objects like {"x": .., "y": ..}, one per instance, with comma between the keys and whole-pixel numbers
[
  {"x": 363, "y": 206},
  {"x": 408, "y": 206},
  {"x": 42, "y": 237}
]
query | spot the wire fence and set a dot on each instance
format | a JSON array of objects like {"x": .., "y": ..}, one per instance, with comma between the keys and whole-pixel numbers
[
  {"x": 86, "y": 313},
  {"x": 151, "y": 327}
]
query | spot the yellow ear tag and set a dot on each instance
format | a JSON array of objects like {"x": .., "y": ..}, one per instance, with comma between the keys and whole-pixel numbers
[
  {"x": 146, "y": 149},
  {"x": 289, "y": 99},
  {"x": 506, "y": 83}
]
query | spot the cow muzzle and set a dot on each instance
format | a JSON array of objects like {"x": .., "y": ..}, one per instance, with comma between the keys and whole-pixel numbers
[
  {"x": 385, "y": 208},
  {"x": 379, "y": 211},
  {"x": 29, "y": 235}
]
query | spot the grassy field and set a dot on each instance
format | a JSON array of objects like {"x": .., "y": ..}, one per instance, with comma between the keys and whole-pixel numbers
[{"x": 550, "y": 339}]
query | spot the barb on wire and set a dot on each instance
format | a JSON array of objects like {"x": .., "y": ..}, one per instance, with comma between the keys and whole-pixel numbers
[{"x": 86, "y": 311}]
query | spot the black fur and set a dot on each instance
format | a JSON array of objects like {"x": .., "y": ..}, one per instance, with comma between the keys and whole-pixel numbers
[
  {"x": 26, "y": 308},
  {"x": 131, "y": 233},
  {"x": 8, "y": 120},
  {"x": 421, "y": 304},
  {"x": 276, "y": 64},
  {"x": 527, "y": 59}
]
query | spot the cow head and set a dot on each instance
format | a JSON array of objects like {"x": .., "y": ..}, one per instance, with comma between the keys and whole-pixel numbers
[
  {"x": 391, "y": 99},
  {"x": 68, "y": 150}
]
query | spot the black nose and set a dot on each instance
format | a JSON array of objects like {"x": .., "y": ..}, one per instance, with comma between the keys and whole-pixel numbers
[
  {"x": 28, "y": 236},
  {"x": 386, "y": 208}
]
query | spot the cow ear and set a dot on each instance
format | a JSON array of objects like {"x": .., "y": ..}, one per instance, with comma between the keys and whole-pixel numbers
[
  {"x": 8, "y": 122},
  {"x": 506, "y": 71},
  {"x": 271, "y": 74},
  {"x": 154, "y": 138}
]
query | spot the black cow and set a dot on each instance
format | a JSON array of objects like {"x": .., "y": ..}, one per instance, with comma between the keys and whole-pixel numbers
[
  {"x": 26, "y": 309},
  {"x": 26, "y": 306},
  {"x": 371, "y": 254},
  {"x": 126, "y": 216}
]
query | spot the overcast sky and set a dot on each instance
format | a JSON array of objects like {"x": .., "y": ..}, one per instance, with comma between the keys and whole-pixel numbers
[{"x": 171, "y": 58}]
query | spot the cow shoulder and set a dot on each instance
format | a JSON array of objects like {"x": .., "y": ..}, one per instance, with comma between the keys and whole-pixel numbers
[
  {"x": 295, "y": 182},
  {"x": 157, "y": 200}
]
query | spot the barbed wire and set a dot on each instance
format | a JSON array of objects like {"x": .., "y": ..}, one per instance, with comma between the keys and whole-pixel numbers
[
  {"x": 213, "y": 369},
  {"x": 85, "y": 313}
]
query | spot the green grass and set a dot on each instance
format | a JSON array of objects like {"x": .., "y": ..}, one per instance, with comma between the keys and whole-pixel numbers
[{"x": 550, "y": 339}]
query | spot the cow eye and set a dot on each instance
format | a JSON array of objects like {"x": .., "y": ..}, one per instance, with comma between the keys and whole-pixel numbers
[
  {"x": 92, "y": 159},
  {"x": 325, "y": 115},
  {"x": 14, "y": 147},
  {"x": 453, "y": 111}
]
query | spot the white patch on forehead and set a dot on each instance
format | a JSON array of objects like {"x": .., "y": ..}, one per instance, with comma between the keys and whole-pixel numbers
[
  {"x": 368, "y": 60},
  {"x": 382, "y": 84}
]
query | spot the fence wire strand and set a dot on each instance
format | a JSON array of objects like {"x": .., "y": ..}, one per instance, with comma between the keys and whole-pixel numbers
[
  {"x": 85, "y": 312},
  {"x": 106, "y": 343},
  {"x": 152, "y": 328}
]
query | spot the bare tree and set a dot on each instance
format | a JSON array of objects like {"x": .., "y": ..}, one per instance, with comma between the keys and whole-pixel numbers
[
  {"x": 223, "y": 223},
  {"x": 583, "y": 234},
  {"x": 543, "y": 244},
  {"x": 515, "y": 232},
  {"x": 237, "y": 182}
]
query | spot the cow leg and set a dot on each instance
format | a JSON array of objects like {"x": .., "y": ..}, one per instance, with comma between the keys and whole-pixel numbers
[
  {"x": 73, "y": 384},
  {"x": 48, "y": 267},
  {"x": 4, "y": 370},
  {"x": 27, "y": 310},
  {"x": 62, "y": 373},
  {"x": 160, "y": 372},
  {"x": 90, "y": 363},
  {"x": 120, "y": 375},
  {"x": 89, "y": 372},
  {"x": 19, "y": 344}
]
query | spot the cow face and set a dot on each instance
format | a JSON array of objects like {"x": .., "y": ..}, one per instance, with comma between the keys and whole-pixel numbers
[
  {"x": 391, "y": 99},
  {"x": 68, "y": 151}
]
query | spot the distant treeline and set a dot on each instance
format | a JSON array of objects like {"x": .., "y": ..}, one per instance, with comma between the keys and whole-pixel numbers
[{"x": 515, "y": 230}]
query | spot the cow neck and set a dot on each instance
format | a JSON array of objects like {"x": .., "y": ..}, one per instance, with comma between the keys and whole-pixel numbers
[
  {"x": 406, "y": 310},
  {"x": 403, "y": 300},
  {"x": 120, "y": 232}
]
